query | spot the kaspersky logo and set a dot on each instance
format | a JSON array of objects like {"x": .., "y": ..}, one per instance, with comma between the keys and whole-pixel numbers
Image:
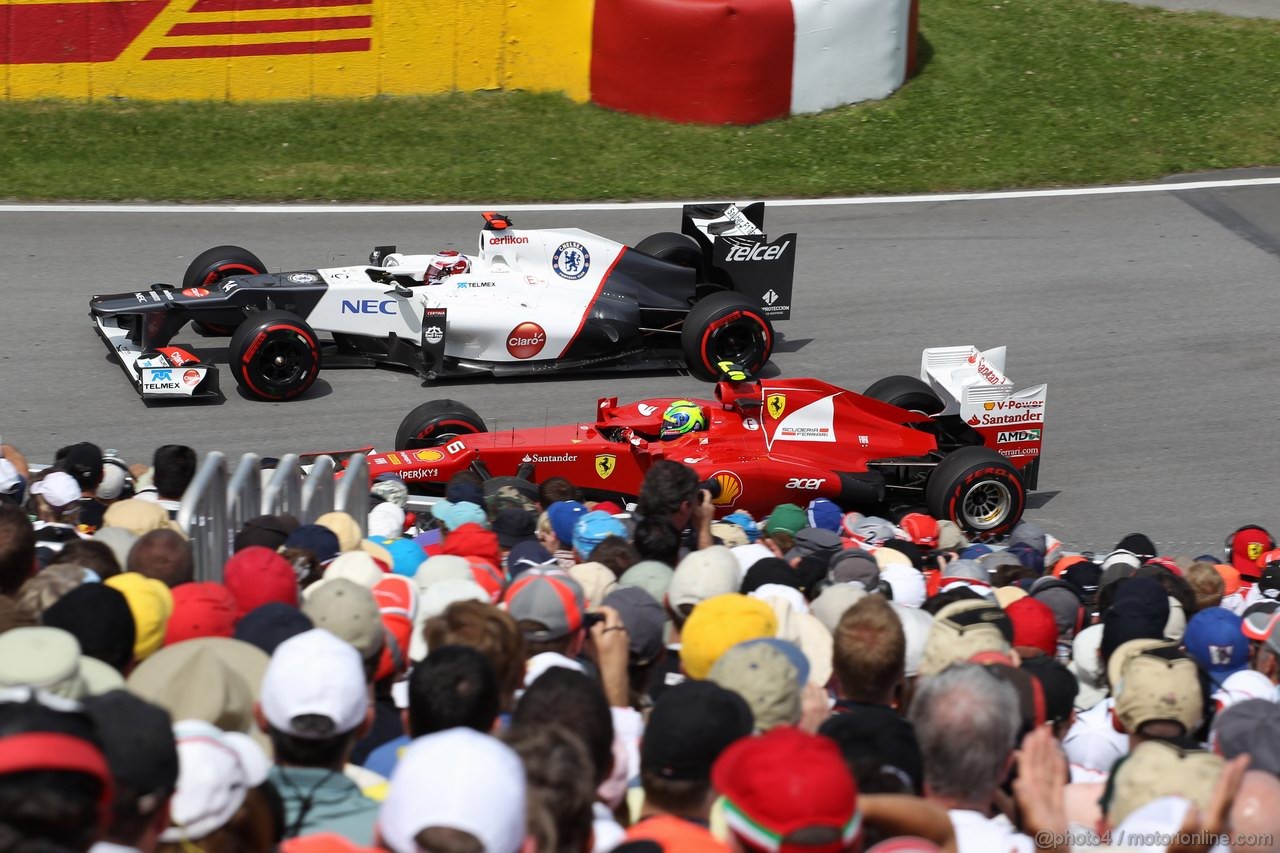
[{"x": 76, "y": 32}]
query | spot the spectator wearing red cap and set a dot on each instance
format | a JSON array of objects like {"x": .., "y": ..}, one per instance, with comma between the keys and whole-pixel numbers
[
  {"x": 1034, "y": 629},
  {"x": 1245, "y": 547},
  {"x": 966, "y": 720},
  {"x": 258, "y": 576},
  {"x": 472, "y": 540},
  {"x": 201, "y": 610},
  {"x": 550, "y": 609},
  {"x": 56, "y": 790},
  {"x": 789, "y": 792}
]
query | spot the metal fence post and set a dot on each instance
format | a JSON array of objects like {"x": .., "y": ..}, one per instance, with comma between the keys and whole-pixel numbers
[
  {"x": 203, "y": 515},
  {"x": 352, "y": 494},
  {"x": 318, "y": 489},
  {"x": 283, "y": 492},
  {"x": 244, "y": 494}
]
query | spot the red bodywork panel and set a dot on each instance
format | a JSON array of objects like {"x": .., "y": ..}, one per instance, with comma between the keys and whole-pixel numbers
[{"x": 768, "y": 442}]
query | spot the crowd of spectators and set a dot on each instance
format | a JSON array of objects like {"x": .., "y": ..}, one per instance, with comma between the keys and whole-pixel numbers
[{"x": 520, "y": 670}]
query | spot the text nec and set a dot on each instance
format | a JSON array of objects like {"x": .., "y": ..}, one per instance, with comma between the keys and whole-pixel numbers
[
  {"x": 369, "y": 306},
  {"x": 759, "y": 252}
]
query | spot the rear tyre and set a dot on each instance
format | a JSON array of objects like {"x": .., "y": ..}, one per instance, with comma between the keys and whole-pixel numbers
[
  {"x": 979, "y": 490},
  {"x": 211, "y": 267},
  {"x": 274, "y": 355},
  {"x": 725, "y": 327},
  {"x": 906, "y": 392},
  {"x": 436, "y": 423},
  {"x": 679, "y": 249}
]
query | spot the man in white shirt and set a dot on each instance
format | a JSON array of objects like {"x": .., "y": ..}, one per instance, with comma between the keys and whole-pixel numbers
[{"x": 966, "y": 721}]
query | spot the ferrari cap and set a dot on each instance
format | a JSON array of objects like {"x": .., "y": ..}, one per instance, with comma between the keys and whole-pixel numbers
[
  {"x": 921, "y": 529},
  {"x": 786, "y": 782},
  {"x": 550, "y": 598},
  {"x": 1246, "y": 545}
]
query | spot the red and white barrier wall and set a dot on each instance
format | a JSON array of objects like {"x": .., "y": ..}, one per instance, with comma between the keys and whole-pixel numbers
[
  {"x": 713, "y": 61},
  {"x": 746, "y": 61}
]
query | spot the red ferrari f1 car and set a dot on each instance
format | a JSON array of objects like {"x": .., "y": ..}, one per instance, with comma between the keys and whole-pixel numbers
[{"x": 958, "y": 440}]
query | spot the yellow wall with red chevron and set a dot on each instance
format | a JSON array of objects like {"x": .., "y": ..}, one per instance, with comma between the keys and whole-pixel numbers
[{"x": 258, "y": 50}]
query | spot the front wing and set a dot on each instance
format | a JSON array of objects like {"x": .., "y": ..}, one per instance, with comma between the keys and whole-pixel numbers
[{"x": 167, "y": 374}]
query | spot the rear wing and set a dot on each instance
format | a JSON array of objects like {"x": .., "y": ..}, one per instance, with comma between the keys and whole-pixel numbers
[
  {"x": 973, "y": 386},
  {"x": 739, "y": 255}
]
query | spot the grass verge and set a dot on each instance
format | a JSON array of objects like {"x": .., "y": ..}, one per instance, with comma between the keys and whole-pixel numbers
[{"x": 1012, "y": 93}]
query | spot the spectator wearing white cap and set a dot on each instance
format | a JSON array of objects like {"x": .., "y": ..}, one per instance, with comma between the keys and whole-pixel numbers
[
  {"x": 216, "y": 805},
  {"x": 314, "y": 707},
  {"x": 55, "y": 502},
  {"x": 456, "y": 790}
]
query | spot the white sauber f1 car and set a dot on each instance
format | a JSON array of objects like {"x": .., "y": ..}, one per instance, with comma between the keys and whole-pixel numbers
[{"x": 529, "y": 301}]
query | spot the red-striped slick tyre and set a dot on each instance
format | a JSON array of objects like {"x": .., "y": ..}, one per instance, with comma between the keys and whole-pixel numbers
[
  {"x": 214, "y": 265},
  {"x": 274, "y": 355},
  {"x": 725, "y": 327},
  {"x": 437, "y": 423},
  {"x": 979, "y": 490}
]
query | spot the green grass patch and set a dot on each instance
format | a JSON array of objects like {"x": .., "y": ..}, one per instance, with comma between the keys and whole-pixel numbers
[{"x": 1012, "y": 93}]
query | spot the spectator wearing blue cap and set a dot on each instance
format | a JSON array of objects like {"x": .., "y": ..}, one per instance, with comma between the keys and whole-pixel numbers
[
  {"x": 555, "y": 530},
  {"x": 1216, "y": 641},
  {"x": 593, "y": 528},
  {"x": 824, "y": 515}
]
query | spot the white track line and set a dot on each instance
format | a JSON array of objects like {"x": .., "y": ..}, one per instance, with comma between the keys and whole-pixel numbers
[{"x": 1125, "y": 189}]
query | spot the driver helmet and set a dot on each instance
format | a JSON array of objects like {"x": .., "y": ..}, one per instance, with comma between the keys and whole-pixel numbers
[
  {"x": 681, "y": 418},
  {"x": 446, "y": 263}
]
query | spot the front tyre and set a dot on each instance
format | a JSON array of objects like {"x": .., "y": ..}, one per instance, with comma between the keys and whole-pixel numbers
[
  {"x": 437, "y": 423},
  {"x": 725, "y": 327},
  {"x": 275, "y": 355},
  {"x": 979, "y": 490},
  {"x": 212, "y": 266}
]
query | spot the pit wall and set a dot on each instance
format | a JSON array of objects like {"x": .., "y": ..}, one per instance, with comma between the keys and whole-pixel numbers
[{"x": 715, "y": 61}]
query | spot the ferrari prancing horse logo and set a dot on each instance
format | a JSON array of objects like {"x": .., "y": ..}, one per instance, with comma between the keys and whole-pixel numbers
[
  {"x": 605, "y": 463},
  {"x": 776, "y": 403}
]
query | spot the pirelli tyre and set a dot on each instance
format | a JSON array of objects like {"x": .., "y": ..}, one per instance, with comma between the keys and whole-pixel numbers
[
  {"x": 680, "y": 249},
  {"x": 274, "y": 355},
  {"x": 436, "y": 423},
  {"x": 979, "y": 490},
  {"x": 212, "y": 266},
  {"x": 724, "y": 327},
  {"x": 906, "y": 392}
]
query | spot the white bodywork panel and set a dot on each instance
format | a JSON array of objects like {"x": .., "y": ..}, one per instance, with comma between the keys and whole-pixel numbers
[{"x": 525, "y": 298}]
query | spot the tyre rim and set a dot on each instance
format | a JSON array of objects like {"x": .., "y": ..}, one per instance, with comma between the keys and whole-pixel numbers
[
  {"x": 987, "y": 505},
  {"x": 736, "y": 342},
  {"x": 281, "y": 362}
]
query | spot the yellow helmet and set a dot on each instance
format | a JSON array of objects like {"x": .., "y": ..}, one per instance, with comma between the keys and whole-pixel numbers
[{"x": 682, "y": 417}]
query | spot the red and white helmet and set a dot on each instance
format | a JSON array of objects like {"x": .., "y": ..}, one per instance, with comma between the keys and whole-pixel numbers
[{"x": 446, "y": 263}]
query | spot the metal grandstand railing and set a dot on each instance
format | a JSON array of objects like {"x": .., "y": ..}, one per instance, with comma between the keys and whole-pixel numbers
[{"x": 215, "y": 507}]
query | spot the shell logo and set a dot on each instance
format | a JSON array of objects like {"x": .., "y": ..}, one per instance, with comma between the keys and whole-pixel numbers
[
  {"x": 428, "y": 456},
  {"x": 988, "y": 405},
  {"x": 730, "y": 488}
]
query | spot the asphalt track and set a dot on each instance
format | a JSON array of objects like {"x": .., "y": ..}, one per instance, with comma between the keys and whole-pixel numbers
[{"x": 1151, "y": 316}]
